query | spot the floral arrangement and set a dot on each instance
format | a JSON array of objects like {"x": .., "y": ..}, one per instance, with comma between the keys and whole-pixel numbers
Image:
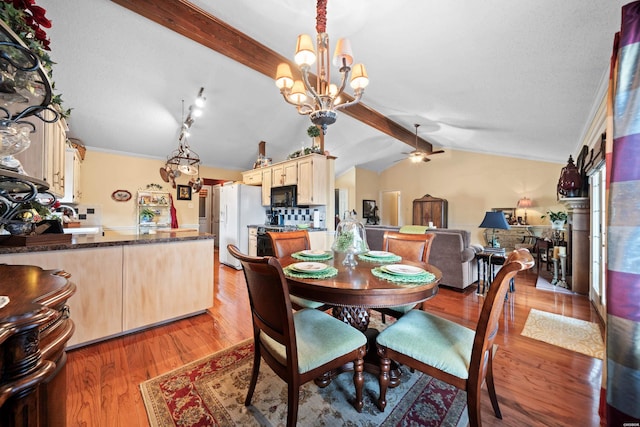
[
  {"x": 28, "y": 21},
  {"x": 36, "y": 212}
]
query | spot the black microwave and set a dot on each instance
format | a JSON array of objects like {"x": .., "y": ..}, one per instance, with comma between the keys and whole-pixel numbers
[{"x": 284, "y": 197}]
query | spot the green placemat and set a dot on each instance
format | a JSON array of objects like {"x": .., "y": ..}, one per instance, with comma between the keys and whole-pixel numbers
[
  {"x": 325, "y": 274},
  {"x": 380, "y": 259},
  {"x": 301, "y": 257},
  {"x": 418, "y": 279}
]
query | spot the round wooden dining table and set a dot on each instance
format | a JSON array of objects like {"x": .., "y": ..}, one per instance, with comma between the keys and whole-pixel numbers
[{"x": 355, "y": 289}]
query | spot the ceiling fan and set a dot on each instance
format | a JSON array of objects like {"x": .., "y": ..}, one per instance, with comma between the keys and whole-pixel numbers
[{"x": 416, "y": 155}]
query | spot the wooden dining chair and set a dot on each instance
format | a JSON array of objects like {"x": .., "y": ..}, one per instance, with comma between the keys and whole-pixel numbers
[
  {"x": 298, "y": 346},
  {"x": 448, "y": 351},
  {"x": 413, "y": 247},
  {"x": 284, "y": 244}
]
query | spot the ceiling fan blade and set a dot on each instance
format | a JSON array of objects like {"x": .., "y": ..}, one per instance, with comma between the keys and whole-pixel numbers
[
  {"x": 435, "y": 152},
  {"x": 426, "y": 159}
]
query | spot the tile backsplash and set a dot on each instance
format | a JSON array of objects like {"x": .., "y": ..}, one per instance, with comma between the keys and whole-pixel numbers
[
  {"x": 89, "y": 215},
  {"x": 295, "y": 216}
]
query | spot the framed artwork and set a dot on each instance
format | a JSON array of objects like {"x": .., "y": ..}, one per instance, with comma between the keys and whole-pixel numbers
[
  {"x": 368, "y": 207},
  {"x": 184, "y": 192},
  {"x": 509, "y": 214}
]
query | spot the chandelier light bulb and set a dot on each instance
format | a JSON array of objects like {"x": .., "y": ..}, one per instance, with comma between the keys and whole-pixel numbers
[
  {"x": 284, "y": 77},
  {"x": 305, "y": 53},
  {"x": 343, "y": 55},
  {"x": 359, "y": 78},
  {"x": 298, "y": 93}
]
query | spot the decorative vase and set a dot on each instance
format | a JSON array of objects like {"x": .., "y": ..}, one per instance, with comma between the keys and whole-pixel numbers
[
  {"x": 557, "y": 224},
  {"x": 570, "y": 181}
]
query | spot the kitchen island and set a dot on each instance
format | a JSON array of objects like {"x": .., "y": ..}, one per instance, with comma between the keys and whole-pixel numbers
[{"x": 126, "y": 283}]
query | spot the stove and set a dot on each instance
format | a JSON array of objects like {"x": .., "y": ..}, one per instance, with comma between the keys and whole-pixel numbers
[
  {"x": 262, "y": 229},
  {"x": 264, "y": 247}
]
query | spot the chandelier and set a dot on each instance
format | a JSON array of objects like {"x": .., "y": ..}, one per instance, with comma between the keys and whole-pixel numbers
[
  {"x": 184, "y": 159},
  {"x": 320, "y": 101}
]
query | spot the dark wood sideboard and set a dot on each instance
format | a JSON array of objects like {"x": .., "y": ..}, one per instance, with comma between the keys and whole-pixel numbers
[
  {"x": 34, "y": 329},
  {"x": 430, "y": 209}
]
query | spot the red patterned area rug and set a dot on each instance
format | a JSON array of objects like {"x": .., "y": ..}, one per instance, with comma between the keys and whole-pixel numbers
[{"x": 211, "y": 392}]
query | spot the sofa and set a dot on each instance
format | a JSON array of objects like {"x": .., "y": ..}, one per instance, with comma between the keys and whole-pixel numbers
[{"x": 451, "y": 252}]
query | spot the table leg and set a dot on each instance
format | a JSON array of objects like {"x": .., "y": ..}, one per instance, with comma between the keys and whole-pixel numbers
[
  {"x": 482, "y": 276},
  {"x": 358, "y": 317}
]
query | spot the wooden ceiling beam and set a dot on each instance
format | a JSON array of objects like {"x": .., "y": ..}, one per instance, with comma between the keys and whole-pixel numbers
[{"x": 196, "y": 24}]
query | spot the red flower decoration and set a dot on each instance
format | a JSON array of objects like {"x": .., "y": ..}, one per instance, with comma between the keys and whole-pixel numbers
[{"x": 34, "y": 17}]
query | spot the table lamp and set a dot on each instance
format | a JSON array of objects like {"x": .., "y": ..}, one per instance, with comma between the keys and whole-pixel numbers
[
  {"x": 524, "y": 203},
  {"x": 494, "y": 220}
]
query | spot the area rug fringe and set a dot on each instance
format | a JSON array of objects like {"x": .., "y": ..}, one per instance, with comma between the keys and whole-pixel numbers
[
  {"x": 211, "y": 392},
  {"x": 566, "y": 332}
]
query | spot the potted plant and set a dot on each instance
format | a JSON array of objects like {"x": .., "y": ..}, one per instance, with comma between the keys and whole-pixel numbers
[
  {"x": 147, "y": 215},
  {"x": 313, "y": 131},
  {"x": 558, "y": 219}
]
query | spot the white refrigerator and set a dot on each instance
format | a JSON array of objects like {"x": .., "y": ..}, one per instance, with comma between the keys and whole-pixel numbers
[{"x": 240, "y": 205}]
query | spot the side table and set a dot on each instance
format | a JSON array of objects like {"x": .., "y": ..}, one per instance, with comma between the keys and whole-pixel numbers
[{"x": 486, "y": 262}]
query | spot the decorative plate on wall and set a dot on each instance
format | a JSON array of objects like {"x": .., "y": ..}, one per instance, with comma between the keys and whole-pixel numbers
[{"x": 121, "y": 195}]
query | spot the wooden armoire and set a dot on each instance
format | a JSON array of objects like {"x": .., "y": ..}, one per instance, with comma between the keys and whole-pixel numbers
[{"x": 430, "y": 209}]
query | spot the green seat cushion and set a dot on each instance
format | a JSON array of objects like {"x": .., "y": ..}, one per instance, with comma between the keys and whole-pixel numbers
[
  {"x": 320, "y": 337},
  {"x": 431, "y": 340},
  {"x": 305, "y": 303},
  {"x": 403, "y": 308}
]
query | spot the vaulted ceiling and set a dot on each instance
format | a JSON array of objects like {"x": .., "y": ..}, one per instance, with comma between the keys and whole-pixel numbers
[{"x": 511, "y": 78}]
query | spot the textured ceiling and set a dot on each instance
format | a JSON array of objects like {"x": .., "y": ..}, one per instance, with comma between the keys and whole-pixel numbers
[{"x": 497, "y": 76}]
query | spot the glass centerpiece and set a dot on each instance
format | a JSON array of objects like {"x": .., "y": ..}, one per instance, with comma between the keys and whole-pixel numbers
[{"x": 350, "y": 239}]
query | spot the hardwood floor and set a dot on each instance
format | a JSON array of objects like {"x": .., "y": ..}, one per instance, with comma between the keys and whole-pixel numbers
[{"x": 537, "y": 383}]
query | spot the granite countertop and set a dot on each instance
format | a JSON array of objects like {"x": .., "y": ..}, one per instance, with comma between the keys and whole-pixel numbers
[
  {"x": 98, "y": 241},
  {"x": 293, "y": 227}
]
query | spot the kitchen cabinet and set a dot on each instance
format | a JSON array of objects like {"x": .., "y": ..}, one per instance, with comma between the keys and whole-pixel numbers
[
  {"x": 153, "y": 211},
  {"x": 97, "y": 272},
  {"x": 72, "y": 172},
  {"x": 309, "y": 173},
  {"x": 312, "y": 180},
  {"x": 154, "y": 294},
  {"x": 253, "y": 177},
  {"x": 266, "y": 187},
  {"x": 285, "y": 173},
  {"x": 45, "y": 157},
  {"x": 253, "y": 241},
  {"x": 430, "y": 209},
  {"x": 125, "y": 287}
]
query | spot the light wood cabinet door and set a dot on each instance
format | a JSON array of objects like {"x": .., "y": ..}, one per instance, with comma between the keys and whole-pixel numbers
[
  {"x": 73, "y": 170},
  {"x": 312, "y": 180},
  {"x": 45, "y": 157},
  {"x": 55, "y": 138},
  {"x": 285, "y": 173},
  {"x": 252, "y": 177},
  {"x": 96, "y": 307},
  {"x": 155, "y": 292},
  {"x": 267, "y": 175}
]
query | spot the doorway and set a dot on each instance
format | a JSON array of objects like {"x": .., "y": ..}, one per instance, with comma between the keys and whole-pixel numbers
[
  {"x": 209, "y": 210},
  {"x": 390, "y": 208}
]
